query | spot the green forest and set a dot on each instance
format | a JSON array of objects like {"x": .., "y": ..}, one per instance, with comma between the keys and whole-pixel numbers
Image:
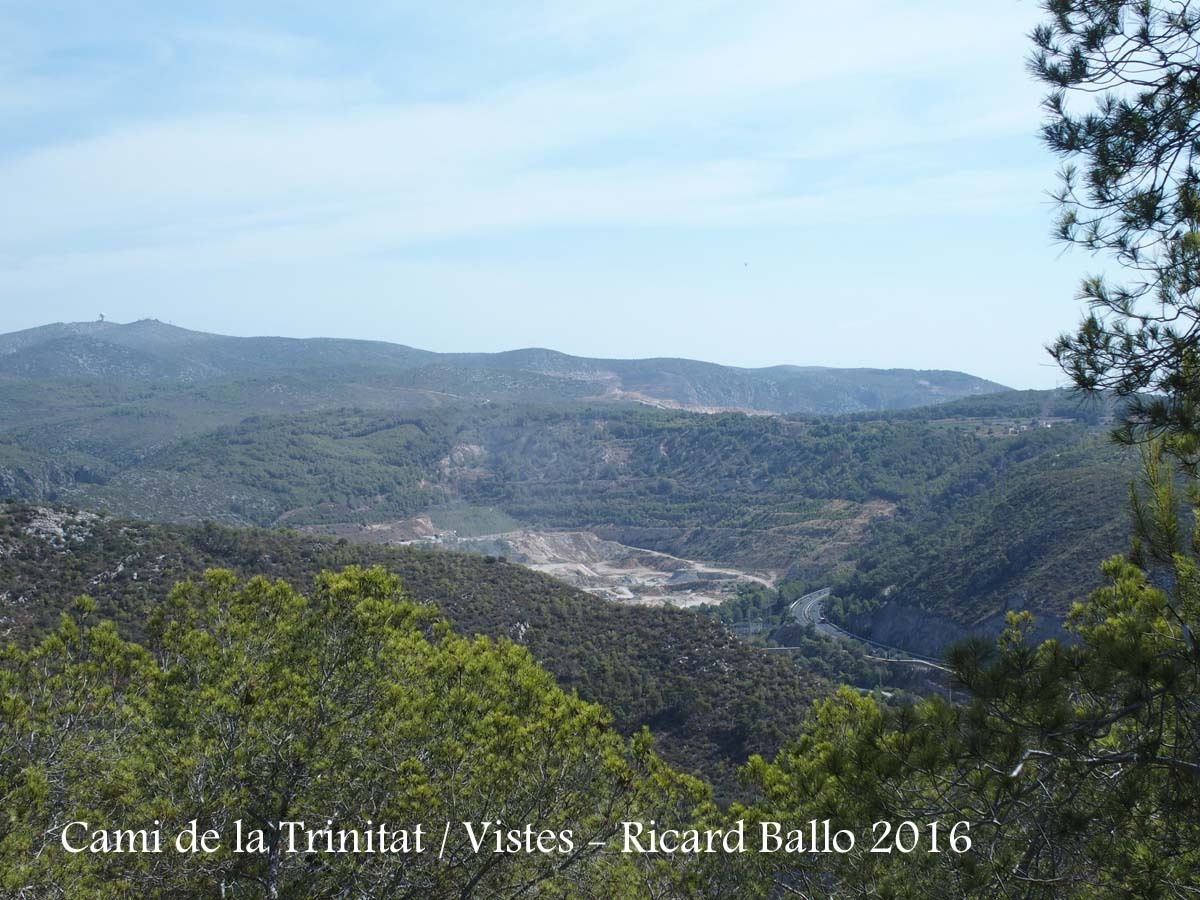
[{"x": 874, "y": 503}]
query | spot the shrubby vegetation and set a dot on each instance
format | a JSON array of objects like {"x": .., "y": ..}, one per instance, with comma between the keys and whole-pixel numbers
[
  {"x": 252, "y": 702},
  {"x": 1017, "y": 407},
  {"x": 1074, "y": 763},
  {"x": 1019, "y": 530}
]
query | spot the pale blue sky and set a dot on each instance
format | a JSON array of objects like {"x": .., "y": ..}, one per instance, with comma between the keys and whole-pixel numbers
[{"x": 745, "y": 182}]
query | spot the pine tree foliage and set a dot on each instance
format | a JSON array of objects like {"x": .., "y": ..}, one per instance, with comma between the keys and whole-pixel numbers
[
  {"x": 1123, "y": 110},
  {"x": 1077, "y": 763},
  {"x": 353, "y": 705}
]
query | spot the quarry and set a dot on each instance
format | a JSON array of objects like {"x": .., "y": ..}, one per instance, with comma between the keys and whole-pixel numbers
[{"x": 607, "y": 569}]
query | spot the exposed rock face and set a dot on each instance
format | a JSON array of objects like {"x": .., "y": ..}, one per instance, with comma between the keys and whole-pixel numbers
[
  {"x": 613, "y": 570},
  {"x": 37, "y": 482},
  {"x": 59, "y": 527}
]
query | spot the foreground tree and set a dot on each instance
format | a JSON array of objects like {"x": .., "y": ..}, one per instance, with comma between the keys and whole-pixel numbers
[
  {"x": 1076, "y": 764},
  {"x": 1124, "y": 111},
  {"x": 353, "y": 706}
]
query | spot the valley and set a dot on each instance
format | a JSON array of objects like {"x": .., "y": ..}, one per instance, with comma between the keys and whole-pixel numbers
[
  {"x": 930, "y": 522},
  {"x": 699, "y": 559}
]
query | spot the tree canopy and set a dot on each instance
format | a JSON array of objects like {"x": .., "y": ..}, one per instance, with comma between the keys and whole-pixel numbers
[
  {"x": 351, "y": 706},
  {"x": 1123, "y": 110}
]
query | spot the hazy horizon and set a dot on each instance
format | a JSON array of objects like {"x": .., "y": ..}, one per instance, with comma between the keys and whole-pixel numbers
[{"x": 108, "y": 321}]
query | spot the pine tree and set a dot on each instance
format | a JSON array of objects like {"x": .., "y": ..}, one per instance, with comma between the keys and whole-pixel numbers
[
  {"x": 253, "y": 703},
  {"x": 1123, "y": 110},
  {"x": 1076, "y": 763}
]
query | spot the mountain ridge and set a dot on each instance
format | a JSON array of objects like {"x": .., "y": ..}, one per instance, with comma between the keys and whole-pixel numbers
[{"x": 150, "y": 350}]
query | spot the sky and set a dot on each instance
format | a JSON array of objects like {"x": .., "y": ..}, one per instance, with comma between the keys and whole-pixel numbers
[{"x": 750, "y": 183}]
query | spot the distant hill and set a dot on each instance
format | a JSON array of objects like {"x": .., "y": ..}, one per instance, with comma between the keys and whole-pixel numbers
[
  {"x": 1025, "y": 531},
  {"x": 152, "y": 351},
  {"x": 1059, "y": 404}
]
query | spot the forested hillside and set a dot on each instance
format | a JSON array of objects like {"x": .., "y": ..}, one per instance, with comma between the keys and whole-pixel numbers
[
  {"x": 711, "y": 700},
  {"x": 152, "y": 352},
  {"x": 1021, "y": 531},
  {"x": 881, "y": 504},
  {"x": 1019, "y": 407},
  {"x": 255, "y": 713}
]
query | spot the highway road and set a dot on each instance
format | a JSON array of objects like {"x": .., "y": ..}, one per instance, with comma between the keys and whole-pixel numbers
[{"x": 809, "y": 610}]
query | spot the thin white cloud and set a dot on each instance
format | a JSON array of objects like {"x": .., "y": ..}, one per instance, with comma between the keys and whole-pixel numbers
[
  {"x": 275, "y": 46},
  {"x": 162, "y": 173}
]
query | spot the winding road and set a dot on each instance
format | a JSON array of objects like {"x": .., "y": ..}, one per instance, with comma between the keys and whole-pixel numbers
[{"x": 809, "y": 610}]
